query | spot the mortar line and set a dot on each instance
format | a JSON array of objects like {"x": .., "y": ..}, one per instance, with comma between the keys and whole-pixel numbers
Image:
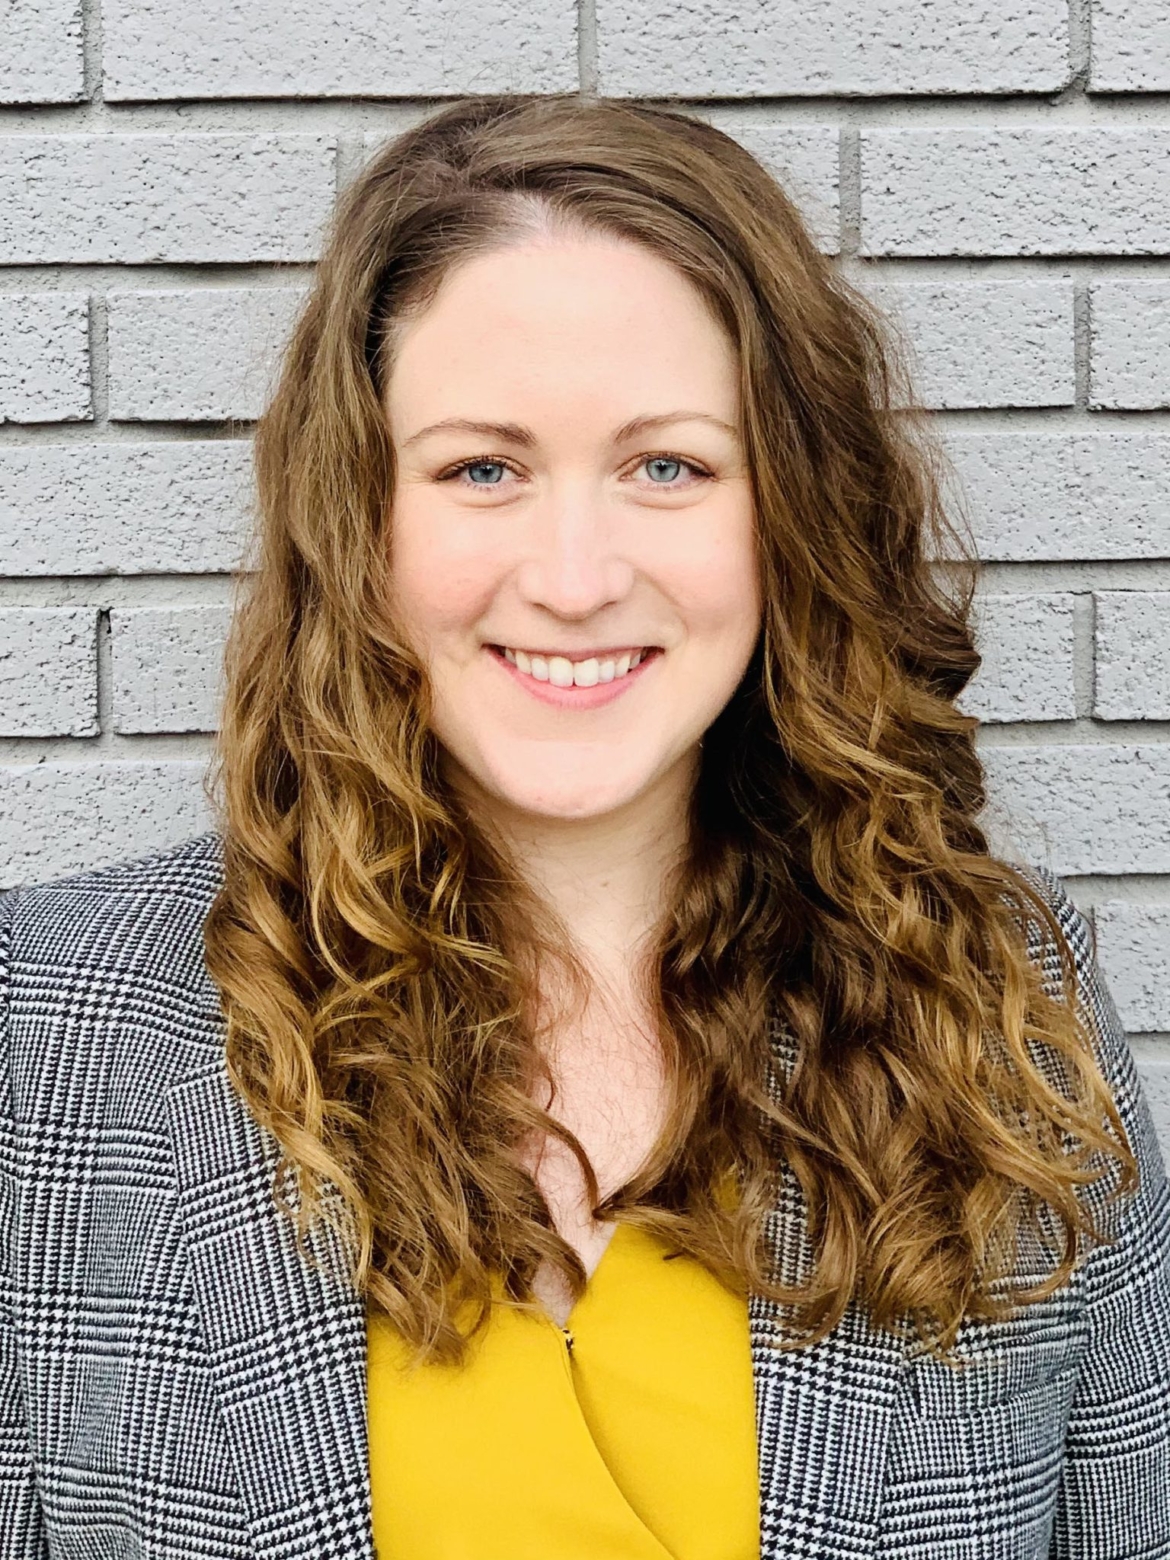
[
  {"x": 587, "y": 48},
  {"x": 104, "y": 671},
  {"x": 1080, "y": 25},
  {"x": 91, "y": 55},
  {"x": 849, "y": 191},
  {"x": 1082, "y": 345}
]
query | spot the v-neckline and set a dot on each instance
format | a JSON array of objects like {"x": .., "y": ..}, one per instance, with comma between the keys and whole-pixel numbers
[
  {"x": 313, "y": 1432},
  {"x": 567, "y": 1325}
]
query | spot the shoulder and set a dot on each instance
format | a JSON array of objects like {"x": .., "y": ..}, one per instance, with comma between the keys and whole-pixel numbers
[
  {"x": 179, "y": 868},
  {"x": 106, "y": 967},
  {"x": 1077, "y": 944},
  {"x": 1075, "y": 930},
  {"x": 1144, "y": 1219},
  {"x": 120, "y": 911}
]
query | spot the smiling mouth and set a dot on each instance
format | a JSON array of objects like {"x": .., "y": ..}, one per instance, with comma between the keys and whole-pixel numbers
[{"x": 584, "y": 672}]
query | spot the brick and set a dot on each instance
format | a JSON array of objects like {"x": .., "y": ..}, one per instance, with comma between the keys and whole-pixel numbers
[
  {"x": 44, "y": 357},
  {"x": 167, "y": 667},
  {"x": 151, "y": 198},
  {"x": 1027, "y": 646},
  {"x": 1084, "y": 808},
  {"x": 764, "y": 48},
  {"x": 1133, "y": 655},
  {"x": 1133, "y": 946},
  {"x": 360, "y": 48},
  {"x": 1130, "y": 344},
  {"x": 48, "y": 672},
  {"x": 65, "y": 818},
  {"x": 1131, "y": 46},
  {"x": 41, "y": 59},
  {"x": 975, "y": 344},
  {"x": 1035, "y": 497},
  {"x": 158, "y": 508},
  {"x": 196, "y": 355},
  {"x": 1021, "y": 191},
  {"x": 805, "y": 161}
]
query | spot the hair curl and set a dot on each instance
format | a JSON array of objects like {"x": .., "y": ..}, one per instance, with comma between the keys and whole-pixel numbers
[{"x": 839, "y": 890}]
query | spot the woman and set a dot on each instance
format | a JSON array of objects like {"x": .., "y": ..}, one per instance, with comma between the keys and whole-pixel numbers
[{"x": 596, "y": 1093}]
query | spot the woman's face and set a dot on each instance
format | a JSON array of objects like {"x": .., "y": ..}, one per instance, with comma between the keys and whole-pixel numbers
[{"x": 572, "y": 550}]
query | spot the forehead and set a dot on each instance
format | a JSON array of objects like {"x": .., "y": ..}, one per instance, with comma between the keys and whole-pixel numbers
[{"x": 552, "y": 320}]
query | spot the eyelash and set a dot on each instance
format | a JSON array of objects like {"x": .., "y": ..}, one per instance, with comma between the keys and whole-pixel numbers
[{"x": 498, "y": 460}]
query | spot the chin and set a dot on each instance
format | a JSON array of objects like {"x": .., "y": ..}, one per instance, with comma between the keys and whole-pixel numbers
[
  {"x": 568, "y": 794},
  {"x": 568, "y": 802}
]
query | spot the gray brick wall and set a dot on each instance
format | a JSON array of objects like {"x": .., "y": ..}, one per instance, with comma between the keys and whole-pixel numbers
[{"x": 998, "y": 176}]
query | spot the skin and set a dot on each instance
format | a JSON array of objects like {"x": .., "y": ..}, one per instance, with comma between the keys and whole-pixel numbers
[{"x": 574, "y": 536}]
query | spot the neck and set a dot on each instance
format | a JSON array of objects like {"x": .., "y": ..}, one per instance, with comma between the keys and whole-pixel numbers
[{"x": 606, "y": 877}]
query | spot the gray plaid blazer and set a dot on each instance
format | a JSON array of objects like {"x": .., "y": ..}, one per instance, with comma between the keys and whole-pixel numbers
[{"x": 176, "y": 1382}]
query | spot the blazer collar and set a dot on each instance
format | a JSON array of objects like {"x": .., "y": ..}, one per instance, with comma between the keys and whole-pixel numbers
[
  {"x": 286, "y": 1339},
  {"x": 287, "y": 1344},
  {"x": 824, "y": 1412}
]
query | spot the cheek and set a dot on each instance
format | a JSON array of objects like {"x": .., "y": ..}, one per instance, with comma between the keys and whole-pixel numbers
[
  {"x": 439, "y": 584},
  {"x": 716, "y": 586}
]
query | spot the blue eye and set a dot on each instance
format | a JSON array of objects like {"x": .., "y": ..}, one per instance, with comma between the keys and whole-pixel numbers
[
  {"x": 486, "y": 465},
  {"x": 665, "y": 460},
  {"x": 666, "y": 468}
]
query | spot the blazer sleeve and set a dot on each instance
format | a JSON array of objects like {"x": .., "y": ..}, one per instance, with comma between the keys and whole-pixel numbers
[
  {"x": 1114, "y": 1501},
  {"x": 20, "y": 1512}
]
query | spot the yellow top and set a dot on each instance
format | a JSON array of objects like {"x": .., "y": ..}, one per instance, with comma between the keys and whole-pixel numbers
[{"x": 628, "y": 1435}]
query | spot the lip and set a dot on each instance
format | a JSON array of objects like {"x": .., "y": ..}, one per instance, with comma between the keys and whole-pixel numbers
[
  {"x": 576, "y": 698},
  {"x": 599, "y": 653}
]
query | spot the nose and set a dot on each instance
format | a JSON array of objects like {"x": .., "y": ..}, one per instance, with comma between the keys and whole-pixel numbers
[{"x": 574, "y": 566}]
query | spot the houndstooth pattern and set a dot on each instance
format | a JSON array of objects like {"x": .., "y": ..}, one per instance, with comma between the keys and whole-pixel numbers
[{"x": 177, "y": 1384}]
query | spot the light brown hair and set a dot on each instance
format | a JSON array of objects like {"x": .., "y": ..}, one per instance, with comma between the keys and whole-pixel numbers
[{"x": 377, "y": 956}]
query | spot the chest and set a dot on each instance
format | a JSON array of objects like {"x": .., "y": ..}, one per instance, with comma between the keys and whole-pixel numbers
[
  {"x": 614, "y": 1096},
  {"x": 165, "y": 1291}
]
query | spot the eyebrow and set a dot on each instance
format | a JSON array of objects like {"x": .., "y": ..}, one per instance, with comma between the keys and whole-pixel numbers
[{"x": 516, "y": 433}]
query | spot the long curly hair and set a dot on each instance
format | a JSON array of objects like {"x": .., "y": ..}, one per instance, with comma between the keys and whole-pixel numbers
[{"x": 379, "y": 959}]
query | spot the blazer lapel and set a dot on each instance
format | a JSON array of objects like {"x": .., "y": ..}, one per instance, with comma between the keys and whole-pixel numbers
[
  {"x": 287, "y": 1342},
  {"x": 823, "y": 1412}
]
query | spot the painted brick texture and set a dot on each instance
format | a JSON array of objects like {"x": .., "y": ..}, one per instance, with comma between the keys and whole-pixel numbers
[
  {"x": 975, "y": 344},
  {"x": 139, "y": 199},
  {"x": 1131, "y": 46},
  {"x": 97, "y": 811},
  {"x": 48, "y": 672},
  {"x": 195, "y": 355},
  {"x": 1086, "y": 809},
  {"x": 366, "y": 48},
  {"x": 1027, "y": 643},
  {"x": 1129, "y": 364},
  {"x": 44, "y": 357},
  {"x": 1095, "y": 189},
  {"x": 167, "y": 663},
  {"x": 766, "y": 48},
  {"x": 1133, "y": 655},
  {"x": 117, "y": 508},
  {"x": 41, "y": 54},
  {"x": 995, "y": 176},
  {"x": 1063, "y": 496}
]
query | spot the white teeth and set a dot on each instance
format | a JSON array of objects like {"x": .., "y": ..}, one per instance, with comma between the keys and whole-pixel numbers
[{"x": 561, "y": 672}]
